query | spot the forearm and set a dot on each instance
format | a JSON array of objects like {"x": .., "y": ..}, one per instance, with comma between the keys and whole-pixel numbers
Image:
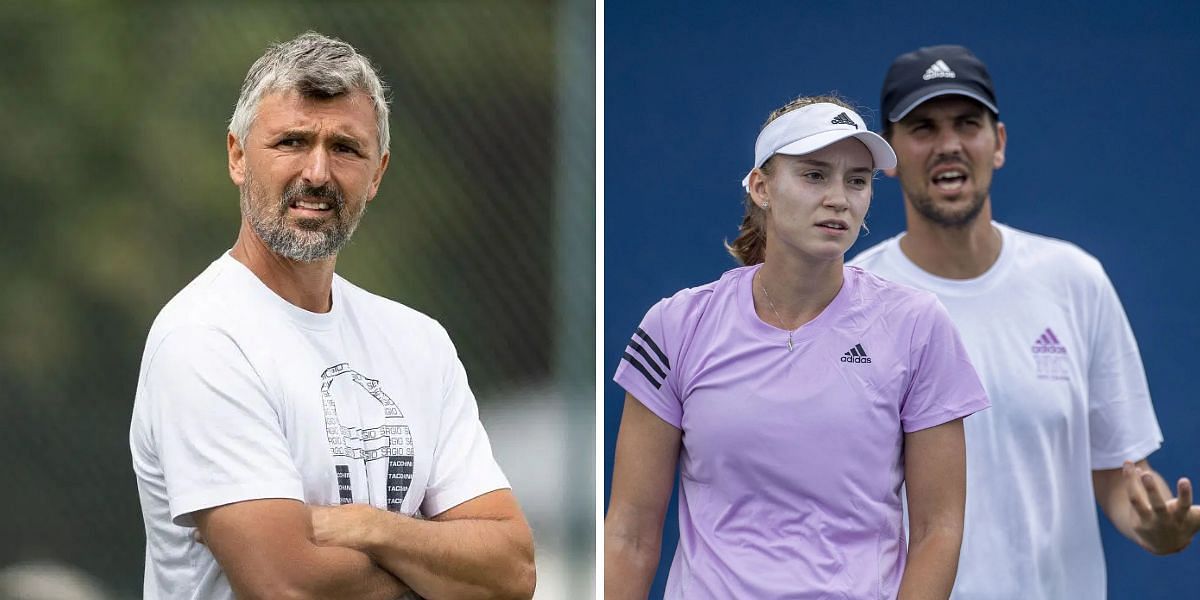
[
  {"x": 332, "y": 572},
  {"x": 465, "y": 558},
  {"x": 932, "y": 564},
  {"x": 266, "y": 550},
  {"x": 312, "y": 572},
  {"x": 629, "y": 564},
  {"x": 1117, "y": 507}
]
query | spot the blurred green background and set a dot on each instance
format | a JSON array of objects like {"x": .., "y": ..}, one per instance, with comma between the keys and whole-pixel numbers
[{"x": 114, "y": 117}]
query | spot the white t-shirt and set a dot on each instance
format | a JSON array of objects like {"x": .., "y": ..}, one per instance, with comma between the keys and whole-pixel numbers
[
  {"x": 1047, "y": 334},
  {"x": 244, "y": 396}
]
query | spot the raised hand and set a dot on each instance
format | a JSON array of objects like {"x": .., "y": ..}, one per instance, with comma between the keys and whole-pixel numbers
[{"x": 1164, "y": 523}]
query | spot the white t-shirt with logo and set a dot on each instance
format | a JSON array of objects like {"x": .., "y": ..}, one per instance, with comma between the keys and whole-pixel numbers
[
  {"x": 244, "y": 396},
  {"x": 1047, "y": 334}
]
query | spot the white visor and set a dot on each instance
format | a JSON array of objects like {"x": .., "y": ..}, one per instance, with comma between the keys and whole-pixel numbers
[{"x": 810, "y": 128}]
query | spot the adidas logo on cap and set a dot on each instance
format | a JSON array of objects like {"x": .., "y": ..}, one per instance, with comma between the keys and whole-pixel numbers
[{"x": 937, "y": 70}]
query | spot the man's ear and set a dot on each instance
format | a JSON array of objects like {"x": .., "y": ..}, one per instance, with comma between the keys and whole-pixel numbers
[
  {"x": 1001, "y": 145},
  {"x": 237, "y": 159},
  {"x": 375, "y": 181}
]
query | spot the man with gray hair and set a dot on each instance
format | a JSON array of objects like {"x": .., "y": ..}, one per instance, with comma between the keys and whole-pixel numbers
[{"x": 294, "y": 436}]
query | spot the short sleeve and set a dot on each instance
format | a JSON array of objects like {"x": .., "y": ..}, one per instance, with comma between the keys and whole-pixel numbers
[
  {"x": 645, "y": 367},
  {"x": 944, "y": 385},
  {"x": 463, "y": 466},
  {"x": 218, "y": 436},
  {"x": 1121, "y": 417}
]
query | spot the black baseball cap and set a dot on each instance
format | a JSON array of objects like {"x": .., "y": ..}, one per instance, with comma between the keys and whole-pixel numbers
[{"x": 934, "y": 71}]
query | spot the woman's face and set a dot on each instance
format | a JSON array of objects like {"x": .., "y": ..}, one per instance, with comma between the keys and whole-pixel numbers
[{"x": 817, "y": 201}]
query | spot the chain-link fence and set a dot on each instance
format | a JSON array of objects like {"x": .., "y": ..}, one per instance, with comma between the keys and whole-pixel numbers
[{"x": 117, "y": 195}]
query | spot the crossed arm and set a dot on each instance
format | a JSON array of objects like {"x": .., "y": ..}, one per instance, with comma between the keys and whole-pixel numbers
[
  {"x": 481, "y": 548},
  {"x": 1139, "y": 503},
  {"x": 266, "y": 548}
]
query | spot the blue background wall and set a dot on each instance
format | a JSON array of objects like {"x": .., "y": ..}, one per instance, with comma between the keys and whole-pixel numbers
[{"x": 1100, "y": 104}]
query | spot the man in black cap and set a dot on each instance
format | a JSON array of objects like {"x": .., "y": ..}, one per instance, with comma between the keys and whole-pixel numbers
[{"x": 1071, "y": 421}]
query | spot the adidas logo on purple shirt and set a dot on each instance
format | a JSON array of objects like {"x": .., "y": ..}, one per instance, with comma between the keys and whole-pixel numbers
[{"x": 856, "y": 355}]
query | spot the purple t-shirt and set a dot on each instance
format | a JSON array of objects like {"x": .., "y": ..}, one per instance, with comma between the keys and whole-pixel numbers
[{"x": 792, "y": 462}]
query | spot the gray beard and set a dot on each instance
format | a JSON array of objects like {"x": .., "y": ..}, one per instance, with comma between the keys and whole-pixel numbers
[
  {"x": 924, "y": 205},
  {"x": 308, "y": 240}
]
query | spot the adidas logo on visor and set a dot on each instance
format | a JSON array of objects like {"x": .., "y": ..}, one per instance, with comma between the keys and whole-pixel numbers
[
  {"x": 937, "y": 70},
  {"x": 843, "y": 119}
]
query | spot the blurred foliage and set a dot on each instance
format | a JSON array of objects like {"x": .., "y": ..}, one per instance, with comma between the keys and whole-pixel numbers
[{"x": 118, "y": 195}]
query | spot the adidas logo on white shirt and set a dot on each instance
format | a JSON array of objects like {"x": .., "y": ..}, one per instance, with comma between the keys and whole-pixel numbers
[{"x": 938, "y": 69}]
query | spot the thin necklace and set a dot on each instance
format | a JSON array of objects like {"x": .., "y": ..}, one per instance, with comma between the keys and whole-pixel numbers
[{"x": 772, "y": 305}]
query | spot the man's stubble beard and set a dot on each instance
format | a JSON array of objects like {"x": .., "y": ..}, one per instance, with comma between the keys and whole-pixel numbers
[
  {"x": 306, "y": 240},
  {"x": 924, "y": 205}
]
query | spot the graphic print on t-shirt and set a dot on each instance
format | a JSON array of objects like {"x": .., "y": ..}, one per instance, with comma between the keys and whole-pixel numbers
[
  {"x": 1051, "y": 357},
  {"x": 364, "y": 426}
]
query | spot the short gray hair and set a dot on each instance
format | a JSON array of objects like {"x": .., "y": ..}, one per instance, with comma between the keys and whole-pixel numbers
[{"x": 316, "y": 66}]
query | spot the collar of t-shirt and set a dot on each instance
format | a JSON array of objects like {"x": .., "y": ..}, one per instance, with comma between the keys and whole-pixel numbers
[
  {"x": 957, "y": 287},
  {"x": 827, "y": 317},
  {"x": 265, "y": 295}
]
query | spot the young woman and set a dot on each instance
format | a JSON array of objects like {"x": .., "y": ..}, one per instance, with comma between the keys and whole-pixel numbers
[{"x": 795, "y": 395}]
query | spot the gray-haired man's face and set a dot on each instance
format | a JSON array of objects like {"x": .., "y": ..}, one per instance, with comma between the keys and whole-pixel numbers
[{"x": 307, "y": 170}]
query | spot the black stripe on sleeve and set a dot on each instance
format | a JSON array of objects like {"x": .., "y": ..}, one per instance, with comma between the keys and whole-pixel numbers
[
  {"x": 654, "y": 347},
  {"x": 637, "y": 365},
  {"x": 646, "y": 355}
]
